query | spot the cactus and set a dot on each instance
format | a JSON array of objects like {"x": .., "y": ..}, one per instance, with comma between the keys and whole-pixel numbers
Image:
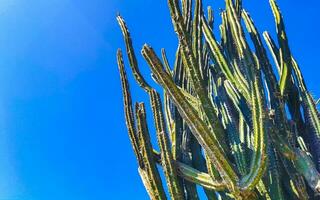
[{"x": 222, "y": 122}]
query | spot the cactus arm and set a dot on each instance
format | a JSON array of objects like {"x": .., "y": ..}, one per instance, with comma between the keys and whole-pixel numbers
[
  {"x": 220, "y": 58},
  {"x": 169, "y": 119},
  {"x": 235, "y": 28},
  {"x": 198, "y": 128},
  {"x": 210, "y": 16},
  {"x": 177, "y": 71},
  {"x": 176, "y": 134},
  {"x": 149, "y": 165},
  {"x": 130, "y": 122},
  {"x": 194, "y": 175},
  {"x": 307, "y": 98},
  {"x": 187, "y": 150},
  {"x": 259, "y": 159},
  {"x": 238, "y": 5},
  {"x": 145, "y": 181},
  {"x": 165, "y": 61},
  {"x": 228, "y": 43},
  {"x": 293, "y": 96},
  {"x": 205, "y": 50},
  {"x": 205, "y": 66},
  {"x": 167, "y": 158},
  {"x": 200, "y": 178},
  {"x": 285, "y": 53},
  {"x": 187, "y": 13},
  {"x": 273, "y": 49},
  {"x": 205, "y": 62},
  {"x": 130, "y": 51},
  {"x": 196, "y": 32}
]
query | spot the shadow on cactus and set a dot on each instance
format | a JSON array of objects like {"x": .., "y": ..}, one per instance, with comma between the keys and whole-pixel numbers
[{"x": 223, "y": 123}]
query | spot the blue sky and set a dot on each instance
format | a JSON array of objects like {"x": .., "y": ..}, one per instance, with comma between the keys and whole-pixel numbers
[{"x": 62, "y": 130}]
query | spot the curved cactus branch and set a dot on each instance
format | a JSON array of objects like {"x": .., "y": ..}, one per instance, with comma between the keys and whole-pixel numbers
[
  {"x": 131, "y": 54},
  {"x": 128, "y": 108},
  {"x": 170, "y": 170},
  {"x": 197, "y": 126},
  {"x": 221, "y": 60},
  {"x": 285, "y": 58}
]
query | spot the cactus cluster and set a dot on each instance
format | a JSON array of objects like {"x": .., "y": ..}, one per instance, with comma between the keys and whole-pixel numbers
[{"x": 232, "y": 119}]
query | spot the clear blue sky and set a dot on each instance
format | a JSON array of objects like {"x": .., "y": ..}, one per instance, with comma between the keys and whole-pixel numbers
[{"x": 62, "y": 130}]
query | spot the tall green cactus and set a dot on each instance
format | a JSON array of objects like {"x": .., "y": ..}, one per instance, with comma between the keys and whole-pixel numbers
[{"x": 223, "y": 124}]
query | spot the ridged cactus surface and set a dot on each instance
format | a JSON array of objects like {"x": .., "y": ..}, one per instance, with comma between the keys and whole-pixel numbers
[{"x": 235, "y": 116}]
